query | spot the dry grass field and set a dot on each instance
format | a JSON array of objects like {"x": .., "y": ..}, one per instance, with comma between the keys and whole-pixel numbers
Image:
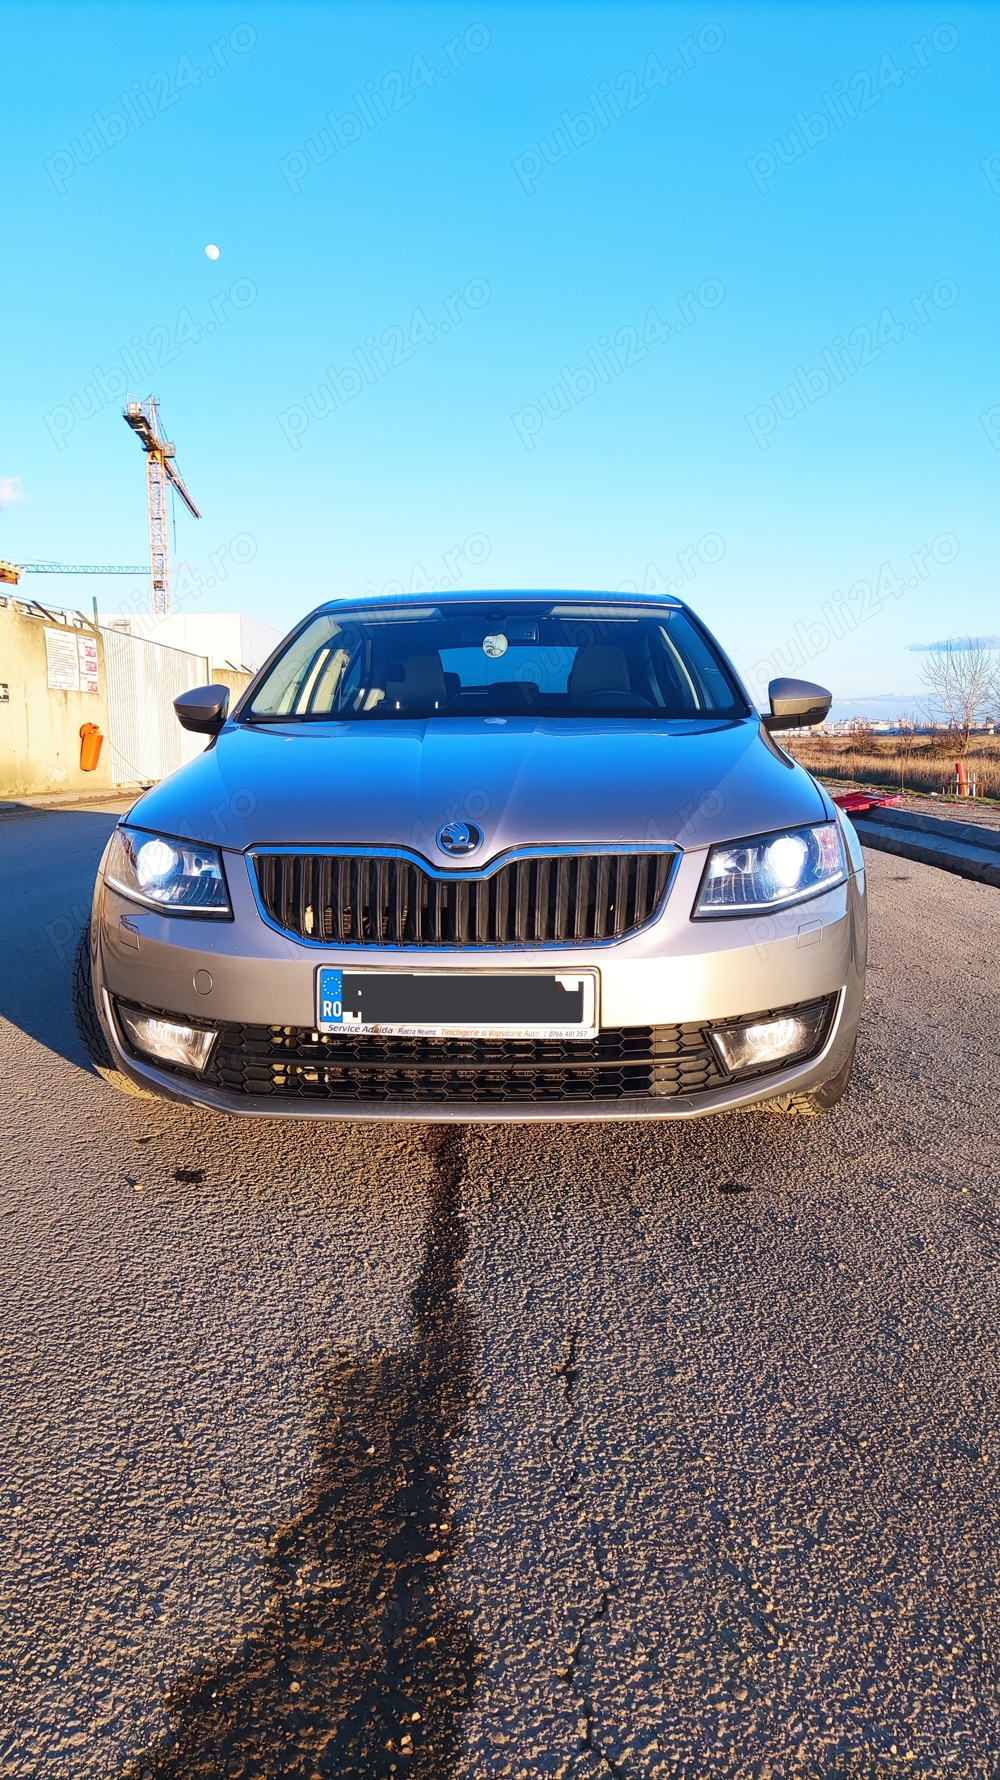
[{"x": 922, "y": 763}]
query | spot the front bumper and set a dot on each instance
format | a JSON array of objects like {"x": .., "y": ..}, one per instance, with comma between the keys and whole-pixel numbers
[{"x": 675, "y": 972}]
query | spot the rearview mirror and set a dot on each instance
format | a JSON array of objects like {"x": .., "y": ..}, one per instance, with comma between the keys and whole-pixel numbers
[
  {"x": 203, "y": 709},
  {"x": 796, "y": 704}
]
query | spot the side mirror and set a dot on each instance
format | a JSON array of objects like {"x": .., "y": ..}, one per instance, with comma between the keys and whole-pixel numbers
[
  {"x": 795, "y": 704},
  {"x": 203, "y": 709}
]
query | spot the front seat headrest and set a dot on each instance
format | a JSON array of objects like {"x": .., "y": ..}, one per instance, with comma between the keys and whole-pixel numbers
[
  {"x": 602, "y": 668},
  {"x": 422, "y": 685}
]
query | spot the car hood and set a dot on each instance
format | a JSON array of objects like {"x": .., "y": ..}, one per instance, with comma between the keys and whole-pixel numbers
[{"x": 526, "y": 782}]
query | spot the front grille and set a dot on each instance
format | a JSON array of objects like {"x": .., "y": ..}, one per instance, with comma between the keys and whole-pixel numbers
[
  {"x": 383, "y": 900},
  {"x": 621, "y": 1063}
]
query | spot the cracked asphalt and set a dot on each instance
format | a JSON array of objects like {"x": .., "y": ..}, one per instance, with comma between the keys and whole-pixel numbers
[{"x": 467, "y": 1452}]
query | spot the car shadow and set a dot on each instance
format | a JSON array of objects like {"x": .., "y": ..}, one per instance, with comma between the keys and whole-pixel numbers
[
  {"x": 48, "y": 863},
  {"x": 362, "y": 1664}
]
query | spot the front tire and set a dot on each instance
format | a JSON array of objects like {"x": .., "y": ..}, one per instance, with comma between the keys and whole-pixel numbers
[
  {"x": 89, "y": 1026},
  {"x": 816, "y": 1100}
]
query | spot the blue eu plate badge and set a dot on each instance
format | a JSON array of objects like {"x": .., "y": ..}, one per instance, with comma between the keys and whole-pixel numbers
[{"x": 331, "y": 998}]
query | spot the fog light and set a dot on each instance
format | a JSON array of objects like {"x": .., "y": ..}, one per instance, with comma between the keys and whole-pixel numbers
[
  {"x": 760, "y": 1044},
  {"x": 172, "y": 1041}
]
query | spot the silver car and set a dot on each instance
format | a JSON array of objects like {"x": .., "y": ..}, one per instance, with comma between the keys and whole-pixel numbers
[{"x": 507, "y": 856}]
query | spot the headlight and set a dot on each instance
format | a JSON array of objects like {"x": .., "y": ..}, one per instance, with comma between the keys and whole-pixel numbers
[
  {"x": 178, "y": 876},
  {"x": 772, "y": 870}
]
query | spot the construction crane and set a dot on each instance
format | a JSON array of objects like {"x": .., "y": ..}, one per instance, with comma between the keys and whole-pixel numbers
[
  {"x": 11, "y": 572},
  {"x": 161, "y": 468}
]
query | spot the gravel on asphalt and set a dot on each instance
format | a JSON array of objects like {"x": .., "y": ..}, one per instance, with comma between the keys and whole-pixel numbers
[{"x": 562, "y": 1450}]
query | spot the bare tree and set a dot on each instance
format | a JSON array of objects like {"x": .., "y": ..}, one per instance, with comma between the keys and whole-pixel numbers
[{"x": 963, "y": 683}]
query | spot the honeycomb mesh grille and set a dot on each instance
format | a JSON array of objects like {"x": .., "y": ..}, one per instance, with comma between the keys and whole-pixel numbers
[
  {"x": 621, "y": 1063},
  {"x": 563, "y": 899}
]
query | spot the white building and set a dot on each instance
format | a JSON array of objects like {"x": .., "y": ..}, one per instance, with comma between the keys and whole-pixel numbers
[{"x": 229, "y": 639}]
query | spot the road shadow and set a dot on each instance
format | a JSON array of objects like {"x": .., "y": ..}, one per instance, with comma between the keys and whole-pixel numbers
[
  {"x": 48, "y": 863},
  {"x": 362, "y": 1665}
]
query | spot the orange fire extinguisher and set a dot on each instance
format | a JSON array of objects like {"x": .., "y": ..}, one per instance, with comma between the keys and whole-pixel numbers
[{"x": 90, "y": 746}]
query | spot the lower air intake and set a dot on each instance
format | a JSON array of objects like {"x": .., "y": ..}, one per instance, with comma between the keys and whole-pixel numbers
[{"x": 621, "y": 1063}]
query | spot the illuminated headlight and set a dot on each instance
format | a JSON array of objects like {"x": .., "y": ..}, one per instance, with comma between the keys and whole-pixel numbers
[
  {"x": 760, "y": 1044},
  {"x": 177, "y": 876},
  {"x": 772, "y": 870},
  {"x": 172, "y": 1041}
]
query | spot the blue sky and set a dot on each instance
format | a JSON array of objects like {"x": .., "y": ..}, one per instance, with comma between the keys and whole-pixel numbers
[{"x": 484, "y": 329}]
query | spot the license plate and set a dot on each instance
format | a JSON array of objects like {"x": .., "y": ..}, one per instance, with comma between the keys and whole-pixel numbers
[{"x": 457, "y": 1004}]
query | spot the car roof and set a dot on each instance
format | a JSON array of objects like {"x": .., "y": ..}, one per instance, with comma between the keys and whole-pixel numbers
[{"x": 491, "y": 594}]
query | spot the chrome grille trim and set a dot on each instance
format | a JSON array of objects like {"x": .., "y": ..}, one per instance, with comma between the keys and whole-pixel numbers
[{"x": 529, "y": 897}]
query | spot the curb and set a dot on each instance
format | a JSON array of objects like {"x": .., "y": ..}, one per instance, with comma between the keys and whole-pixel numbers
[
  {"x": 960, "y": 847},
  {"x": 115, "y": 794}
]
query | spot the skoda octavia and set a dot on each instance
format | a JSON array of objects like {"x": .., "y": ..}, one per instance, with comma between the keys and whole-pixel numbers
[{"x": 505, "y": 856}]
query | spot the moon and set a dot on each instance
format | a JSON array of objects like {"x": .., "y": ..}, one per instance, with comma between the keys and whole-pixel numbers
[{"x": 212, "y": 251}]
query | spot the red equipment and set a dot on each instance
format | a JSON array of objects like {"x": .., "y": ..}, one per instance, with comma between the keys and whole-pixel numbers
[{"x": 857, "y": 801}]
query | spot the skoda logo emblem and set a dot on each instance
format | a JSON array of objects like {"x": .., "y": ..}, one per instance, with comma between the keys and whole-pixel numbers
[{"x": 457, "y": 838}]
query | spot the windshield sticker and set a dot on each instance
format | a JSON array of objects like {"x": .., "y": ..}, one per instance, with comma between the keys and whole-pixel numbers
[{"x": 495, "y": 646}]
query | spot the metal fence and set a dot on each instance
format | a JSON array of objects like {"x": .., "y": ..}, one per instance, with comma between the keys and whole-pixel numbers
[{"x": 143, "y": 679}]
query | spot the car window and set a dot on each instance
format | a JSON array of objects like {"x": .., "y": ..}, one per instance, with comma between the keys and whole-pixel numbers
[{"x": 461, "y": 660}]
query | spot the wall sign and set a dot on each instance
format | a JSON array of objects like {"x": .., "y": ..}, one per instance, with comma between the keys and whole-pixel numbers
[
  {"x": 63, "y": 660},
  {"x": 72, "y": 661},
  {"x": 89, "y": 681}
]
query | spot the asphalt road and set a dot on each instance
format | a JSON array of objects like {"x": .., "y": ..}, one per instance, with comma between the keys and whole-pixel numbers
[{"x": 512, "y": 1451}]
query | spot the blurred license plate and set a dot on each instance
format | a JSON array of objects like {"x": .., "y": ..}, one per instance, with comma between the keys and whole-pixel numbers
[{"x": 453, "y": 1004}]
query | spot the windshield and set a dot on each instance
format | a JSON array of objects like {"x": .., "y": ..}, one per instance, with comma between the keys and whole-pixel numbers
[{"x": 556, "y": 659}]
